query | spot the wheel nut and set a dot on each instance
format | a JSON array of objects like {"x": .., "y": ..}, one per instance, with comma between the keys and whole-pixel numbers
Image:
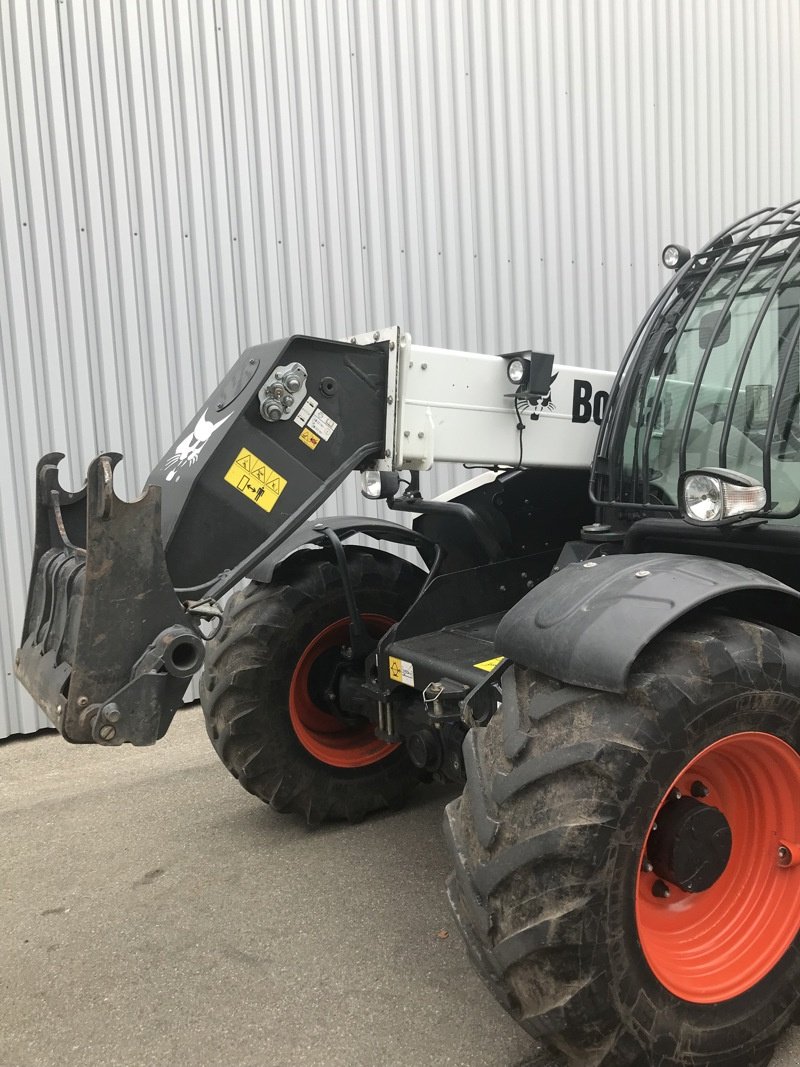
[
  {"x": 647, "y": 867},
  {"x": 660, "y": 889}
]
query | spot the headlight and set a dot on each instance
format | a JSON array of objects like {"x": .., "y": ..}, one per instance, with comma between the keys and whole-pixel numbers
[
  {"x": 716, "y": 495},
  {"x": 674, "y": 256},
  {"x": 702, "y": 498},
  {"x": 378, "y": 485}
]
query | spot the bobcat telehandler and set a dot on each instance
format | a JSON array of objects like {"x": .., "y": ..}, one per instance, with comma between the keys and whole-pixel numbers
[{"x": 605, "y": 651}]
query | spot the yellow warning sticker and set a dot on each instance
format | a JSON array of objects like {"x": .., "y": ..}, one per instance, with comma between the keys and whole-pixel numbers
[
  {"x": 401, "y": 671},
  {"x": 488, "y": 664},
  {"x": 255, "y": 480},
  {"x": 309, "y": 438}
]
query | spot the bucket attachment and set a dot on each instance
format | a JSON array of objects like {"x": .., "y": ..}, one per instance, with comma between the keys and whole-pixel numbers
[
  {"x": 107, "y": 647},
  {"x": 111, "y": 635}
]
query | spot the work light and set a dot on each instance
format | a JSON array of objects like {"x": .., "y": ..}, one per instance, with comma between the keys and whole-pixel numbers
[
  {"x": 378, "y": 485},
  {"x": 674, "y": 256},
  {"x": 517, "y": 370}
]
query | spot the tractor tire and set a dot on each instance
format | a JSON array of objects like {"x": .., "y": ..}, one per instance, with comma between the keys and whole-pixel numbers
[
  {"x": 262, "y": 698},
  {"x": 556, "y": 835}
]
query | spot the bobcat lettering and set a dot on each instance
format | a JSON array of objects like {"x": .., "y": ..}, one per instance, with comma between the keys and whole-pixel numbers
[{"x": 586, "y": 407}]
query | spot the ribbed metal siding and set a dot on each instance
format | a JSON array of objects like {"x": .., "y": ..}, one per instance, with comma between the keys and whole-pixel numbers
[{"x": 178, "y": 181}]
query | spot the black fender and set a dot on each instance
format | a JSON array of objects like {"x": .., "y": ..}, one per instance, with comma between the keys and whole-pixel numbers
[
  {"x": 586, "y": 624},
  {"x": 312, "y": 534}
]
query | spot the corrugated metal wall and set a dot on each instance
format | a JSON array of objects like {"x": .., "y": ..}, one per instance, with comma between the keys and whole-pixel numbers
[{"x": 179, "y": 180}]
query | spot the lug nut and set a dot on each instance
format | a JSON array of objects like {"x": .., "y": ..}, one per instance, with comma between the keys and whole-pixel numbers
[
  {"x": 647, "y": 867},
  {"x": 699, "y": 789},
  {"x": 675, "y": 794},
  {"x": 660, "y": 889}
]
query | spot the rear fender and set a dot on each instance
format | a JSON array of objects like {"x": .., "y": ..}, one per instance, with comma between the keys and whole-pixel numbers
[{"x": 586, "y": 624}]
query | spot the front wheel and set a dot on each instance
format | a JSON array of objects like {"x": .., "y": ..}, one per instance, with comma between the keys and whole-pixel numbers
[
  {"x": 628, "y": 867},
  {"x": 267, "y": 676}
]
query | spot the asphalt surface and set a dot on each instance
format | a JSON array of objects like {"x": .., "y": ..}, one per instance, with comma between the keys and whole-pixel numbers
[{"x": 154, "y": 912}]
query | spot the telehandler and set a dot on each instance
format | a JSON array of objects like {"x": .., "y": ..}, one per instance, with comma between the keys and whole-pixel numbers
[{"x": 600, "y": 639}]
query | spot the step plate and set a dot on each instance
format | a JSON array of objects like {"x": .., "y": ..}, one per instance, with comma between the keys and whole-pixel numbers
[{"x": 463, "y": 652}]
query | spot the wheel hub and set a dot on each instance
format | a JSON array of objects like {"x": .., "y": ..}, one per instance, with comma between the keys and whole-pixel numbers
[
  {"x": 690, "y": 844},
  {"x": 737, "y": 864},
  {"x": 332, "y": 738}
]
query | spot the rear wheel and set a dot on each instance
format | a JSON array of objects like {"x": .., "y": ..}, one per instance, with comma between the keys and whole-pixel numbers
[
  {"x": 628, "y": 867},
  {"x": 267, "y": 675}
]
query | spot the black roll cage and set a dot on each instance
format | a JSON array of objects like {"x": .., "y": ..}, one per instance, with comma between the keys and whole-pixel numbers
[{"x": 768, "y": 236}]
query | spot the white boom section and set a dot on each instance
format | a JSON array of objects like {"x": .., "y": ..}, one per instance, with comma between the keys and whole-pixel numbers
[{"x": 459, "y": 407}]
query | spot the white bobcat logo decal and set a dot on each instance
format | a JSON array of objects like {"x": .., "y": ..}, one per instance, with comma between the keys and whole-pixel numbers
[{"x": 187, "y": 451}]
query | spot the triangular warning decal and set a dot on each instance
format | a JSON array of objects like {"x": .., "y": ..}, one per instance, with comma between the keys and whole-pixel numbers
[{"x": 252, "y": 477}]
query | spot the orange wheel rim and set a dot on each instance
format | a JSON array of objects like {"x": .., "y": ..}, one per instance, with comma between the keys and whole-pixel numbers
[
  {"x": 321, "y": 734},
  {"x": 715, "y": 944}
]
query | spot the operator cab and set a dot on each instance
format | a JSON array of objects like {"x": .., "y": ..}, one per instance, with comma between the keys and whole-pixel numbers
[{"x": 712, "y": 379}]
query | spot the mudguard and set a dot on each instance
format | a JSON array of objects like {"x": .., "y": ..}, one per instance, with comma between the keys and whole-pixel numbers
[
  {"x": 344, "y": 526},
  {"x": 586, "y": 624}
]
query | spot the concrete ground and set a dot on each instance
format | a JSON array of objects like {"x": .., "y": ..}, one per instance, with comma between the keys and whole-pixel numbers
[{"x": 154, "y": 912}]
